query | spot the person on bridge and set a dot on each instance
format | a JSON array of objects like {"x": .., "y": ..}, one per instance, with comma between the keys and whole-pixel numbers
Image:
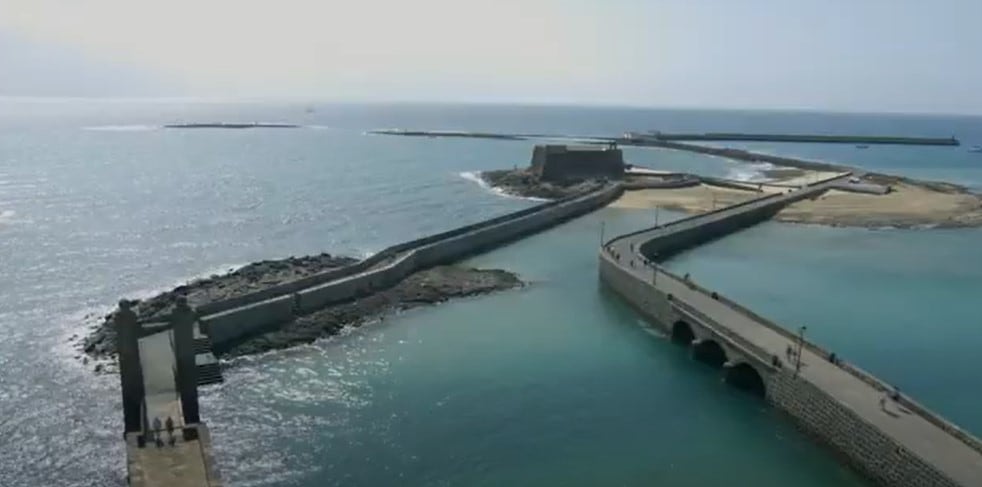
[
  {"x": 170, "y": 430},
  {"x": 156, "y": 432}
]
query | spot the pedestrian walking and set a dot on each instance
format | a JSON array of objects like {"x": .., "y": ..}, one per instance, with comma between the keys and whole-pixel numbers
[
  {"x": 170, "y": 430},
  {"x": 895, "y": 395},
  {"x": 156, "y": 432}
]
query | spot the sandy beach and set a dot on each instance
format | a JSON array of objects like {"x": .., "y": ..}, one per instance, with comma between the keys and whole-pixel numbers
[
  {"x": 909, "y": 204},
  {"x": 693, "y": 199},
  {"x": 906, "y": 206}
]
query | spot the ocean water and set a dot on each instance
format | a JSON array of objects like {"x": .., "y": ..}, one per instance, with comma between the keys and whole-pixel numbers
[{"x": 554, "y": 384}]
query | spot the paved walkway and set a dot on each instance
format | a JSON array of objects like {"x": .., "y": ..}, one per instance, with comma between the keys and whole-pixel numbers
[
  {"x": 184, "y": 463},
  {"x": 160, "y": 387},
  {"x": 921, "y": 437}
]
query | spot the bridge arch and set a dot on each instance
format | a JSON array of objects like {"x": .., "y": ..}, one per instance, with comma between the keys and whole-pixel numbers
[
  {"x": 682, "y": 333},
  {"x": 709, "y": 352},
  {"x": 745, "y": 377}
]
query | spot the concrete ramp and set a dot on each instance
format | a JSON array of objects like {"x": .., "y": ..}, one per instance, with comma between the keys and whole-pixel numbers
[{"x": 161, "y": 398}]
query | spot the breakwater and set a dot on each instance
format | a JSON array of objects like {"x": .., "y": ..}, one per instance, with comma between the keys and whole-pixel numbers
[
  {"x": 810, "y": 138},
  {"x": 232, "y": 319},
  {"x": 231, "y": 125},
  {"x": 895, "y": 443}
]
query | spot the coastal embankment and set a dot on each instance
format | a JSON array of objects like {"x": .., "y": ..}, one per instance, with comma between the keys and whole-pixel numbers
[{"x": 293, "y": 300}]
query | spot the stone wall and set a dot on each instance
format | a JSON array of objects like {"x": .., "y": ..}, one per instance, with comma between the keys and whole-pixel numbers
[
  {"x": 861, "y": 444},
  {"x": 406, "y": 258},
  {"x": 378, "y": 258},
  {"x": 562, "y": 162},
  {"x": 232, "y": 324}
]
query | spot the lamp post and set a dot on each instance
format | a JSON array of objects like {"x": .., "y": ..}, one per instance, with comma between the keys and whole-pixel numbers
[
  {"x": 654, "y": 271},
  {"x": 801, "y": 344},
  {"x": 602, "y": 233}
]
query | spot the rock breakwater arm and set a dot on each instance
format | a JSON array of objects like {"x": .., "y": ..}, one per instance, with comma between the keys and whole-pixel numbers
[
  {"x": 428, "y": 287},
  {"x": 101, "y": 341},
  {"x": 524, "y": 183}
]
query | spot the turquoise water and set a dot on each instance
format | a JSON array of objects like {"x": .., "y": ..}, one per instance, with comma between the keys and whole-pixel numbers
[
  {"x": 554, "y": 384},
  {"x": 901, "y": 304}
]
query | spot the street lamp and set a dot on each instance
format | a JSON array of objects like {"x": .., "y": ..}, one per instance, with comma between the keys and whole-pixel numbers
[{"x": 801, "y": 344}]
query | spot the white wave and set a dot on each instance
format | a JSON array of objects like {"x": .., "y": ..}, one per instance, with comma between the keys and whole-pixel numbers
[
  {"x": 753, "y": 172},
  {"x": 475, "y": 176},
  {"x": 122, "y": 128},
  {"x": 7, "y": 216}
]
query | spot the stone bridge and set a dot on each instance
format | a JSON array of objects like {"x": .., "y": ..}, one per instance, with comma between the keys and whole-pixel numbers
[{"x": 894, "y": 442}]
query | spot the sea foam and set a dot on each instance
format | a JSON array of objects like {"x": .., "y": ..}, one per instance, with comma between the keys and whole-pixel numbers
[{"x": 475, "y": 177}]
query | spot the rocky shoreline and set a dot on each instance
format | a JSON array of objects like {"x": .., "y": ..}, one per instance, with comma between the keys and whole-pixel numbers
[
  {"x": 524, "y": 183},
  {"x": 429, "y": 286}
]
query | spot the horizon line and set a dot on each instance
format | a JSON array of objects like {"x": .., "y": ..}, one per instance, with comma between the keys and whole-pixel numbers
[{"x": 515, "y": 103}]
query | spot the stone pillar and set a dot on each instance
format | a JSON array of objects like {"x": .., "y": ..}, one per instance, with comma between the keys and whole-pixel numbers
[
  {"x": 130, "y": 371},
  {"x": 183, "y": 320}
]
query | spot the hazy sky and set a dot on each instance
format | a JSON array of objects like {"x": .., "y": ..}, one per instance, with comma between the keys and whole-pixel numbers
[{"x": 855, "y": 55}]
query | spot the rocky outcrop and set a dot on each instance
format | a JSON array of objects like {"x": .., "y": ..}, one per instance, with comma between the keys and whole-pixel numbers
[
  {"x": 102, "y": 339},
  {"x": 525, "y": 183},
  {"x": 427, "y": 287}
]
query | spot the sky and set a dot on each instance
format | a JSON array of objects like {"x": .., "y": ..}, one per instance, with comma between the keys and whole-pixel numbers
[{"x": 841, "y": 55}]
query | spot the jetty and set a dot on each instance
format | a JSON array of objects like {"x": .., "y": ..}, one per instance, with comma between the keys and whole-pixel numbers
[
  {"x": 231, "y": 125},
  {"x": 809, "y": 138},
  {"x": 886, "y": 436},
  {"x": 656, "y": 137}
]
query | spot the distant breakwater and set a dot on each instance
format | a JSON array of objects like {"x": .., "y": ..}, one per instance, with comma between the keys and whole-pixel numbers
[
  {"x": 231, "y": 125},
  {"x": 630, "y": 139},
  {"x": 809, "y": 138}
]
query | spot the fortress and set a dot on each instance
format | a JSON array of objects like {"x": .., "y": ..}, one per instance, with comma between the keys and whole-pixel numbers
[{"x": 566, "y": 162}]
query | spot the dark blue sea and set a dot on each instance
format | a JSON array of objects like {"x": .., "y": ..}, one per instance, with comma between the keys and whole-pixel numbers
[{"x": 553, "y": 384}]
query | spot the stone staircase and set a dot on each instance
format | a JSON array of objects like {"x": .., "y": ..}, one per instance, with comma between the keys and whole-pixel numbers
[{"x": 209, "y": 370}]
